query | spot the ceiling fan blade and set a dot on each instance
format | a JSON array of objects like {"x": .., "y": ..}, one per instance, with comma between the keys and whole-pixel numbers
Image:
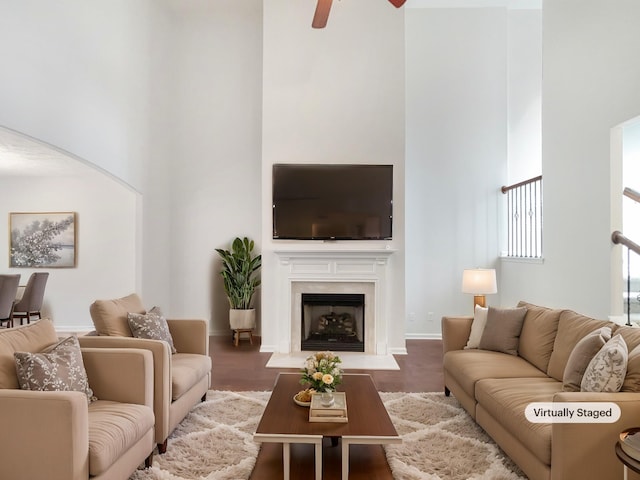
[
  {"x": 322, "y": 14},
  {"x": 397, "y": 3}
]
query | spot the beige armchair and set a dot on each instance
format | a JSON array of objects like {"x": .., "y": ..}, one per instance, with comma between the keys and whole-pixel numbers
[
  {"x": 181, "y": 380},
  {"x": 59, "y": 435}
]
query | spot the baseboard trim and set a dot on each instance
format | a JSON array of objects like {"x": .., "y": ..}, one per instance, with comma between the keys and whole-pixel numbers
[{"x": 423, "y": 336}]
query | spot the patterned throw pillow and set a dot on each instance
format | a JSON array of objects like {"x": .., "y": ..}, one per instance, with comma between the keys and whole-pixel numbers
[
  {"x": 606, "y": 371},
  {"x": 151, "y": 325},
  {"x": 57, "y": 368}
]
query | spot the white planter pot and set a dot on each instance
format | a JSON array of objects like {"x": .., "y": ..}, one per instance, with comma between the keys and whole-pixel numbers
[{"x": 242, "y": 319}]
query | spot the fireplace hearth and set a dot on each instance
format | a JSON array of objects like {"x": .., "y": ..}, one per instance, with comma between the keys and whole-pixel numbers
[{"x": 332, "y": 321}]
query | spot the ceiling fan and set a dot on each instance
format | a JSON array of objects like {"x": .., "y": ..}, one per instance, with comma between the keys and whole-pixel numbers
[{"x": 322, "y": 12}]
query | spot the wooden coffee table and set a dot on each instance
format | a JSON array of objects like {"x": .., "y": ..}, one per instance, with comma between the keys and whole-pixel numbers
[{"x": 287, "y": 423}]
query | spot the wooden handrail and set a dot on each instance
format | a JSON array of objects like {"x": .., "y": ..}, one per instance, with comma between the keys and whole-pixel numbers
[
  {"x": 618, "y": 238},
  {"x": 632, "y": 194},
  {"x": 505, "y": 189}
]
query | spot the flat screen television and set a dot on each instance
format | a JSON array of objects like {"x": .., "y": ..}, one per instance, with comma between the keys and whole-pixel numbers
[{"x": 332, "y": 202}]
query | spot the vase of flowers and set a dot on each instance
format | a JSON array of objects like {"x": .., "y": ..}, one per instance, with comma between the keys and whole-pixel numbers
[{"x": 323, "y": 374}]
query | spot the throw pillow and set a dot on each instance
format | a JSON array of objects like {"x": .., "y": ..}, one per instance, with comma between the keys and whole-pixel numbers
[
  {"x": 606, "y": 371},
  {"x": 632, "y": 377},
  {"x": 477, "y": 326},
  {"x": 580, "y": 357},
  {"x": 110, "y": 316},
  {"x": 57, "y": 368},
  {"x": 151, "y": 325},
  {"x": 502, "y": 331}
]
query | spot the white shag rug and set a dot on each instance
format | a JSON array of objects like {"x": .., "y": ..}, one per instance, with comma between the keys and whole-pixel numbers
[{"x": 440, "y": 441}]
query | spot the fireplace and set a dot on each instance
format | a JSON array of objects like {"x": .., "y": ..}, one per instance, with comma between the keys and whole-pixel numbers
[
  {"x": 332, "y": 321},
  {"x": 331, "y": 271}
]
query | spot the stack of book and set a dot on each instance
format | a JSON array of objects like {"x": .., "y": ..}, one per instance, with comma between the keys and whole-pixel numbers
[{"x": 334, "y": 413}]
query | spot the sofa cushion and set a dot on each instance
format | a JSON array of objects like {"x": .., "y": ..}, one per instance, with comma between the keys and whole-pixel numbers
[
  {"x": 606, "y": 371},
  {"x": 580, "y": 357},
  {"x": 631, "y": 335},
  {"x": 502, "y": 330},
  {"x": 505, "y": 399},
  {"x": 186, "y": 370},
  {"x": 477, "y": 326},
  {"x": 110, "y": 316},
  {"x": 151, "y": 325},
  {"x": 34, "y": 337},
  {"x": 538, "y": 334},
  {"x": 114, "y": 428},
  {"x": 572, "y": 327},
  {"x": 58, "y": 368},
  {"x": 470, "y": 366}
]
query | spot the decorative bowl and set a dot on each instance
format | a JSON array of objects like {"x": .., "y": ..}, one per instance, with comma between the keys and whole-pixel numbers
[{"x": 298, "y": 402}]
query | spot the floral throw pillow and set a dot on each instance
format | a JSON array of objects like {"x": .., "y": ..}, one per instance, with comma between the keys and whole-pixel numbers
[
  {"x": 151, "y": 325},
  {"x": 57, "y": 368},
  {"x": 606, "y": 371}
]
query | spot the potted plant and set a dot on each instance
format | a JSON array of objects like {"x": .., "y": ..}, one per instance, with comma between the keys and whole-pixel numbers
[{"x": 239, "y": 275}]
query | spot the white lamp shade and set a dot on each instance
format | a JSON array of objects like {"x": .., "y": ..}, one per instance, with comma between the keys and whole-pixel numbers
[{"x": 479, "y": 281}]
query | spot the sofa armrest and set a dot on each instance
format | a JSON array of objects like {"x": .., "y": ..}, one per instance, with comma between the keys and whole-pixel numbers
[
  {"x": 190, "y": 335},
  {"x": 455, "y": 332},
  {"x": 46, "y": 435},
  {"x": 161, "y": 372},
  {"x": 587, "y": 450},
  {"x": 120, "y": 374}
]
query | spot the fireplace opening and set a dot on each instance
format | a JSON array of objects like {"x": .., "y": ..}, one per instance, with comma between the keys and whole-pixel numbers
[{"x": 333, "y": 321}]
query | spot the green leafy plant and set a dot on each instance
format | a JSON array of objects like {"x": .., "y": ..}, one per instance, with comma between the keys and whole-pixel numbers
[{"x": 239, "y": 272}]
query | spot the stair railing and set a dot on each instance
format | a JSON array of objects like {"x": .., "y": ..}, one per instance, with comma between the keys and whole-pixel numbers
[
  {"x": 524, "y": 218},
  {"x": 619, "y": 239}
]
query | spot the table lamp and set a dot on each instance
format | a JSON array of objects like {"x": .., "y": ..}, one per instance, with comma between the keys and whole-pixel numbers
[{"x": 479, "y": 282}]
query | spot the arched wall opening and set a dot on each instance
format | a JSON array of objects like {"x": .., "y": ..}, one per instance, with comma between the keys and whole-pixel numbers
[{"x": 38, "y": 177}]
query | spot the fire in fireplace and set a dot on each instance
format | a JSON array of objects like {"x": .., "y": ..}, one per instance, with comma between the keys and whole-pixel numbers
[{"x": 333, "y": 321}]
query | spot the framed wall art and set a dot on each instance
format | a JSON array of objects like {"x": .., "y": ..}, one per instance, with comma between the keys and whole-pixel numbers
[{"x": 42, "y": 239}]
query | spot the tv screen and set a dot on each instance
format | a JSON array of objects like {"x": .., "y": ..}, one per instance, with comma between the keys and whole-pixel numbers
[{"x": 332, "y": 202}]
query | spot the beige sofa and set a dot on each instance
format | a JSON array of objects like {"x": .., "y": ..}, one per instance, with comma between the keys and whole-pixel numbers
[
  {"x": 181, "y": 380},
  {"x": 494, "y": 388},
  {"x": 58, "y": 435}
]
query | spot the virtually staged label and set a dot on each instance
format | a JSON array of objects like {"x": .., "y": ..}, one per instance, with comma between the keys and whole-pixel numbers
[{"x": 572, "y": 412}]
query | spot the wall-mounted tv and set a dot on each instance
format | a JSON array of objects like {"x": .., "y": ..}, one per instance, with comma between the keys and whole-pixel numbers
[{"x": 332, "y": 202}]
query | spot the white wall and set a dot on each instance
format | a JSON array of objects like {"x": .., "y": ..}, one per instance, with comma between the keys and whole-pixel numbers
[
  {"x": 215, "y": 162},
  {"x": 524, "y": 91},
  {"x": 105, "y": 240},
  {"x": 75, "y": 75},
  {"x": 334, "y": 95},
  {"x": 456, "y": 155},
  {"x": 590, "y": 85},
  {"x": 165, "y": 96}
]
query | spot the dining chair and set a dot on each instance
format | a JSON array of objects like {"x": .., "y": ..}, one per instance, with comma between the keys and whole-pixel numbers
[
  {"x": 31, "y": 302},
  {"x": 8, "y": 291}
]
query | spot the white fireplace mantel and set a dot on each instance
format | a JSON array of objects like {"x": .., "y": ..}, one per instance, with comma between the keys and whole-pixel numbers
[
  {"x": 315, "y": 270},
  {"x": 378, "y": 255}
]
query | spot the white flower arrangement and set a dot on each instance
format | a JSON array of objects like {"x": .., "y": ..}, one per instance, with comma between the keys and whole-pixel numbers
[{"x": 322, "y": 371}]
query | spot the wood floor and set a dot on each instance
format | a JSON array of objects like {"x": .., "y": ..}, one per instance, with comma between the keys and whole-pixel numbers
[{"x": 242, "y": 368}]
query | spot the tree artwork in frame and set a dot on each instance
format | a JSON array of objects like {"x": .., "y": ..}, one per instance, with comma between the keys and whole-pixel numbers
[{"x": 42, "y": 240}]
